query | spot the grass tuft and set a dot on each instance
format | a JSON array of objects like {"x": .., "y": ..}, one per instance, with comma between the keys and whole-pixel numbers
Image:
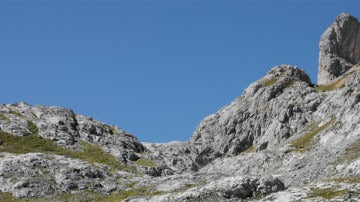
[
  {"x": 131, "y": 185},
  {"x": 290, "y": 84},
  {"x": 269, "y": 82},
  {"x": 32, "y": 143},
  {"x": 6, "y": 197},
  {"x": 305, "y": 141},
  {"x": 184, "y": 188},
  {"x": 32, "y": 128},
  {"x": 113, "y": 197},
  {"x": 145, "y": 162},
  {"x": 326, "y": 193},
  {"x": 16, "y": 114},
  {"x": 336, "y": 84},
  {"x": 249, "y": 150},
  {"x": 4, "y": 118},
  {"x": 94, "y": 154},
  {"x": 348, "y": 179}
]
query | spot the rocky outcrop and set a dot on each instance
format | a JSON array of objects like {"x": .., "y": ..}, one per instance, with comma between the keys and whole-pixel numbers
[
  {"x": 45, "y": 175},
  {"x": 177, "y": 156},
  {"x": 288, "y": 71},
  {"x": 66, "y": 129},
  {"x": 283, "y": 139},
  {"x": 268, "y": 112},
  {"x": 261, "y": 118},
  {"x": 124, "y": 146},
  {"x": 226, "y": 189},
  {"x": 339, "y": 48},
  {"x": 50, "y": 151}
]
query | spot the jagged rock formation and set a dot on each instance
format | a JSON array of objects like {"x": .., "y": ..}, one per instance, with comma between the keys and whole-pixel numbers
[
  {"x": 67, "y": 129},
  {"x": 282, "y": 126},
  {"x": 283, "y": 139},
  {"x": 339, "y": 48},
  {"x": 258, "y": 118}
]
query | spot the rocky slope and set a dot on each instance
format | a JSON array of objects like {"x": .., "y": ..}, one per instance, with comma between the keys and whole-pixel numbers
[{"x": 283, "y": 139}]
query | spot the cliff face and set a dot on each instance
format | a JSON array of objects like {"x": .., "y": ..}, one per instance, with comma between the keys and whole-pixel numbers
[
  {"x": 339, "y": 48},
  {"x": 266, "y": 114},
  {"x": 283, "y": 139}
]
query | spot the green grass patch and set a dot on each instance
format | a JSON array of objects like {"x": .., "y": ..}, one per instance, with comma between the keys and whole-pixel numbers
[
  {"x": 305, "y": 141},
  {"x": 249, "y": 150},
  {"x": 184, "y": 188},
  {"x": 16, "y": 114},
  {"x": 94, "y": 154},
  {"x": 22, "y": 145},
  {"x": 113, "y": 197},
  {"x": 326, "y": 193},
  {"x": 348, "y": 179},
  {"x": 6, "y": 197},
  {"x": 33, "y": 143},
  {"x": 325, "y": 88},
  {"x": 32, "y": 128},
  {"x": 27, "y": 144},
  {"x": 188, "y": 186},
  {"x": 131, "y": 185},
  {"x": 4, "y": 118},
  {"x": 336, "y": 84},
  {"x": 269, "y": 82},
  {"x": 258, "y": 195},
  {"x": 145, "y": 162},
  {"x": 290, "y": 84},
  {"x": 88, "y": 196}
]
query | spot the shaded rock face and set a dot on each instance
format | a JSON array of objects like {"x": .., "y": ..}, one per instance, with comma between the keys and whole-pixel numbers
[{"x": 339, "y": 48}]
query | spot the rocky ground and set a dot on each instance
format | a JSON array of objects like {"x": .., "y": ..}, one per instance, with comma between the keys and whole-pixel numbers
[{"x": 283, "y": 139}]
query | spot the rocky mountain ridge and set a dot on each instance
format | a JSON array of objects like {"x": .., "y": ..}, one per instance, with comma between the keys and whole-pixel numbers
[{"x": 283, "y": 139}]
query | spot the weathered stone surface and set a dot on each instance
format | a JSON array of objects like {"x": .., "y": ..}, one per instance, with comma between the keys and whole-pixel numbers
[
  {"x": 177, "y": 156},
  {"x": 270, "y": 185},
  {"x": 68, "y": 130},
  {"x": 44, "y": 175},
  {"x": 226, "y": 189},
  {"x": 268, "y": 112},
  {"x": 283, "y": 139},
  {"x": 339, "y": 48},
  {"x": 288, "y": 71},
  {"x": 111, "y": 139}
]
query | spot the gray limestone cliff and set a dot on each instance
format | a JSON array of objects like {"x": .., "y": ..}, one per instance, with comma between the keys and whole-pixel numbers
[
  {"x": 339, "y": 48},
  {"x": 283, "y": 139}
]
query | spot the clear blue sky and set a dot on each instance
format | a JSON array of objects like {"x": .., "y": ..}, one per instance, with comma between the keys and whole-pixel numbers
[{"x": 153, "y": 68}]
